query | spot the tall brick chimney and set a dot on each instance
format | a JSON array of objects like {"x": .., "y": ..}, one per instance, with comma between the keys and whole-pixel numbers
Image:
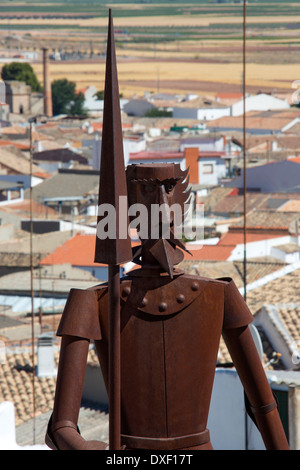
[
  {"x": 191, "y": 160},
  {"x": 47, "y": 85}
]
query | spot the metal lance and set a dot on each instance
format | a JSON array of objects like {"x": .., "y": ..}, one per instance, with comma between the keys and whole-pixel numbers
[{"x": 114, "y": 249}]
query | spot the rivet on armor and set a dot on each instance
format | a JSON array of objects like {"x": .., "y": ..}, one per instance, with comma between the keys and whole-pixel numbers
[
  {"x": 162, "y": 307},
  {"x": 144, "y": 302},
  {"x": 180, "y": 298},
  {"x": 195, "y": 286}
]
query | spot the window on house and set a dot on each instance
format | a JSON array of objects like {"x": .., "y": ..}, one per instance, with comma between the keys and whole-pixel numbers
[{"x": 207, "y": 168}]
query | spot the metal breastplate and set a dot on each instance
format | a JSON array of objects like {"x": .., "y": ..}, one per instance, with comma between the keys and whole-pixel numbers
[{"x": 169, "y": 344}]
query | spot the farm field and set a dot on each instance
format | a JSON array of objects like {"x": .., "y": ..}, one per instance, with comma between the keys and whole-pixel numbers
[
  {"x": 178, "y": 76},
  {"x": 165, "y": 46}
]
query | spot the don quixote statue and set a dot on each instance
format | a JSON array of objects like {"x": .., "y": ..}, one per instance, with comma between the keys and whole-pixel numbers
[{"x": 156, "y": 330}]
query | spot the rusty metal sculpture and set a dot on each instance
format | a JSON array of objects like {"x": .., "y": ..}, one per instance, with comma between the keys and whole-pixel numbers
[{"x": 156, "y": 330}]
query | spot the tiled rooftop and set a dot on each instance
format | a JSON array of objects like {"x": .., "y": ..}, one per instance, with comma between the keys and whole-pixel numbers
[
  {"x": 16, "y": 163},
  {"x": 16, "y": 384},
  {"x": 283, "y": 290},
  {"x": 290, "y": 206},
  {"x": 270, "y": 219},
  {"x": 255, "y": 269},
  {"x": 234, "y": 204},
  {"x": 289, "y": 314},
  {"x": 237, "y": 237},
  {"x": 78, "y": 250},
  {"x": 23, "y": 208},
  {"x": 210, "y": 252},
  {"x": 212, "y": 269},
  {"x": 275, "y": 120},
  {"x": 227, "y": 201}
]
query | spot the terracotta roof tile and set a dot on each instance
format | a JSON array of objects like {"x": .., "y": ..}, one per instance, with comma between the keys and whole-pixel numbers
[
  {"x": 254, "y": 120},
  {"x": 235, "y": 203},
  {"x": 236, "y": 238},
  {"x": 272, "y": 219},
  {"x": 283, "y": 290},
  {"x": 210, "y": 252},
  {"x": 258, "y": 268},
  {"x": 23, "y": 207},
  {"x": 9, "y": 143},
  {"x": 290, "y": 206},
  {"x": 78, "y": 251},
  {"x": 14, "y": 129},
  {"x": 16, "y": 162},
  {"x": 212, "y": 269}
]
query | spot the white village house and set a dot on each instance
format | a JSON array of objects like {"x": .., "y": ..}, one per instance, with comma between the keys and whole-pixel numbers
[
  {"x": 259, "y": 102},
  {"x": 208, "y": 110}
]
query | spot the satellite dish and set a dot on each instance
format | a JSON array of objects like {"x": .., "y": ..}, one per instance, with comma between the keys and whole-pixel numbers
[{"x": 257, "y": 340}]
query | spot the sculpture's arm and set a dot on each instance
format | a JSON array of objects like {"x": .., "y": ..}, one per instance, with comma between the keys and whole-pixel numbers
[
  {"x": 62, "y": 430},
  {"x": 245, "y": 357}
]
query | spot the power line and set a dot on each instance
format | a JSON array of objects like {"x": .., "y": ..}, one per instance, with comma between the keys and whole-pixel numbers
[{"x": 244, "y": 150}]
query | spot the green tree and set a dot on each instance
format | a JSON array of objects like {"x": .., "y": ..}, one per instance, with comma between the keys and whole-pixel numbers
[
  {"x": 65, "y": 100},
  {"x": 77, "y": 105},
  {"x": 100, "y": 95},
  {"x": 155, "y": 112},
  {"x": 23, "y": 72}
]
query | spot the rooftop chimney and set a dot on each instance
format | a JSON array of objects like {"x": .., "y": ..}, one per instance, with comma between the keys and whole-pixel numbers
[
  {"x": 191, "y": 160},
  {"x": 47, "y": 85},
  {"x": 46, "y": 363}
]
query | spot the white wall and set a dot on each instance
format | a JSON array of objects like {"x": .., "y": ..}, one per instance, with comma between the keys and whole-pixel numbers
[
  {"x": 207, "y": 114},
  {"x": 202, "y": 114},
  {"x": 185, "y": 113},
  {"x": 278, "y": 334},
  {"x": 181, "y": 161},
  {"x": 227, "y": 417},
  {"x": 261, "y": 102},
  {"x": 7, "y": 430},
  {"x": 259, "y": 248},
  {"x": 218, "y": 170},
  {"x": 203, "y": 144},
  {"x": 129, "y": 146},
  {"x": 286, "y": 257},
  {"x": 132, "y": 146},
  {"x": 7, "y": 425},
  {"x": 99, "y": 272},
  {"x": 294, "y": 418}
]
